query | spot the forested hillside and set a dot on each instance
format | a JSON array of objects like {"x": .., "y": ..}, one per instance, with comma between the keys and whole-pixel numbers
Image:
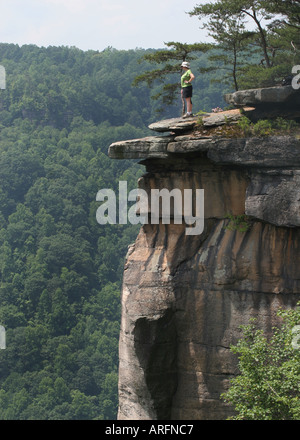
[{"x": 60, "y": 271}]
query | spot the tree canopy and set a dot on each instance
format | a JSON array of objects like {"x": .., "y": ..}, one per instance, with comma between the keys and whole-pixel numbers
[{"x": 60, "y": 271}]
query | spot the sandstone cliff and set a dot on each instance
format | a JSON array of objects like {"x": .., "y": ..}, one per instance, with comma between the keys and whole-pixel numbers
[{"x": 185, "y": 296}]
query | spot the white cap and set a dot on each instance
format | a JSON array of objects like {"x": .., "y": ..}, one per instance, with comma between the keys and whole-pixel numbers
[{"x": 185, "y": 64}]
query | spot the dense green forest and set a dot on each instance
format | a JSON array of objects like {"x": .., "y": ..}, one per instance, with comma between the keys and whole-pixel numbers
[{"x": 60, "y": 271}]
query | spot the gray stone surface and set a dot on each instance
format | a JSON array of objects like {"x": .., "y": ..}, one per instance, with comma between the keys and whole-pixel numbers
[
  {"x": 274, "y": 196},
  {"x": 268, "y": 103},
  {"x": 152, "y": 146},
  {"x": 264, "y": 152},
  {"x": 277, "y": 95},
  {"x": 175, "y": 124},
  {"x": 178, "y": 125},
  {"x": 221, "y": 118}
]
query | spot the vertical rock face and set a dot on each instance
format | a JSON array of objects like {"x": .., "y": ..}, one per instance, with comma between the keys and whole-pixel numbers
[{"x": 185, "y": 296}]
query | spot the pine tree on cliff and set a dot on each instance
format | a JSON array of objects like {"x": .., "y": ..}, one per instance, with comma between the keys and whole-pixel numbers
[
  {"x": 257, "y": 43},
  {"x": 169, "y": 71},
  {"x": 272, "y": 47}
]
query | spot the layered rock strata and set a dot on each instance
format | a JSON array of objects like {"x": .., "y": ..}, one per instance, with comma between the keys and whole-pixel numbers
[{"x": 185, "y": 296}]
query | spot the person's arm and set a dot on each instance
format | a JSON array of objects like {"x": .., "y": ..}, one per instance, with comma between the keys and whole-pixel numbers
[{"x": 192, "y": 77}]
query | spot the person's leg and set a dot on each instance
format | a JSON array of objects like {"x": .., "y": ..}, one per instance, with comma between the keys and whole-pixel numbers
[{"x": 189, "y": 105}]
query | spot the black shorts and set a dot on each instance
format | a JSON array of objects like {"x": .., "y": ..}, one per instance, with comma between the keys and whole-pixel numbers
[{"x": 187, "y": 92}]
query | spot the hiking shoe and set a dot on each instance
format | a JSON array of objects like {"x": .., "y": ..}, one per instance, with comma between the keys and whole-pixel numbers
[{"x": 187, "y": 115}]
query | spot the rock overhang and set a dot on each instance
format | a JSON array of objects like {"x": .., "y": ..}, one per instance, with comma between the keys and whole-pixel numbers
[
  {"x": 271, "y": 163},
  {"x": 184, "y": 139}
]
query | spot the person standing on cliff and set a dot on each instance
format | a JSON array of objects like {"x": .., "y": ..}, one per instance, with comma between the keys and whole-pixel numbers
[{"x": 187, "y": 88}]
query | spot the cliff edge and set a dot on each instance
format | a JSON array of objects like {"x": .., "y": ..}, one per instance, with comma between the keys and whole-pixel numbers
[{"x": 184, "y": 296}]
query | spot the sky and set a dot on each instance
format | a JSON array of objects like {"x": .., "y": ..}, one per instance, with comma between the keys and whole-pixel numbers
[{"x": 98, "y": 24}]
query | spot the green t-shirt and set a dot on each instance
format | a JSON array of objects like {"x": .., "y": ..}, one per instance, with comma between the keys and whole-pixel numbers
[{"x": 186, "y": 77}]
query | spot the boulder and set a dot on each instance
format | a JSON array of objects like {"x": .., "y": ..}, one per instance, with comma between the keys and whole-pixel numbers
[{"x": 269, "y": 102}]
